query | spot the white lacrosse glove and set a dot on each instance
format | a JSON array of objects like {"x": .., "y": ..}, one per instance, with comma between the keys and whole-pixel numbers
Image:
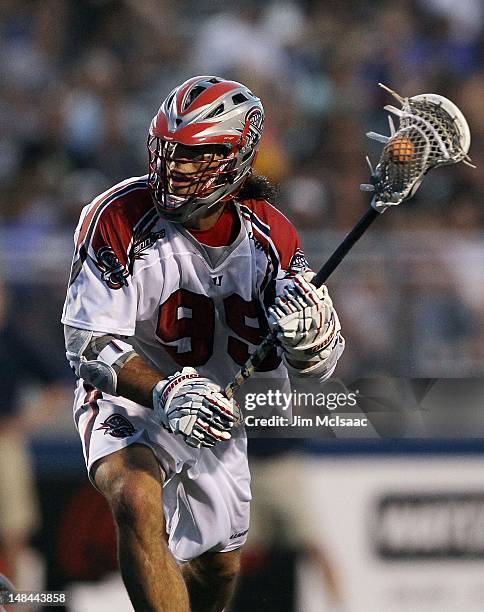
[
  {"x": 195, "y": 407},
  {"x": 307, "y": 327}
]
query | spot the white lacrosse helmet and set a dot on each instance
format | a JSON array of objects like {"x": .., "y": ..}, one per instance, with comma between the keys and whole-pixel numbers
[{"x": 221, "y": 117}]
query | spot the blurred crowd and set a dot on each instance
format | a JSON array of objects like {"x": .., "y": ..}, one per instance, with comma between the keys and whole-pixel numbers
[
  {"x": 80, "y": 84},
  {"x": 81, "y": 81}
]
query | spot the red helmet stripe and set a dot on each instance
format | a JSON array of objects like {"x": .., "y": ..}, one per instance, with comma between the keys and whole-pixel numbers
[
  {"x": 159, "y": 126},
  {"x": 189, "y": 134}
]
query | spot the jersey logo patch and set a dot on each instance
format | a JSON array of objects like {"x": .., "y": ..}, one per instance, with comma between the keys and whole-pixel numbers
[
  {"x": 144, "y": 243},
  {"x": 113, "y": 272},
  {"x": 217, "y": 280},
  {"x": 117, "y": 426}
]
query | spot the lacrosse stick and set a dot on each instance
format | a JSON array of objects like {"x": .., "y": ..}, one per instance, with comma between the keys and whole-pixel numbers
[{"x": 432, "y": 132}]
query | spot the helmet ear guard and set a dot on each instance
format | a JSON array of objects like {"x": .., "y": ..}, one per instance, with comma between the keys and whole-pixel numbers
[{"x": 204, "y": 111}]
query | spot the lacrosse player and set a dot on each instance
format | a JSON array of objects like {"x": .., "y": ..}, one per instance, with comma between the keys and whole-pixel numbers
[{"x": 176, "y": 278}]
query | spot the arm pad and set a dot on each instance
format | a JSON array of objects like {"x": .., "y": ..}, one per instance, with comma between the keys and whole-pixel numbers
[{"x": 96, "y": 358}]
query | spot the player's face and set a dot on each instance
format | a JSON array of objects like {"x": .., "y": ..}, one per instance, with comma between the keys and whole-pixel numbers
[{"x": 190, "y": 167}]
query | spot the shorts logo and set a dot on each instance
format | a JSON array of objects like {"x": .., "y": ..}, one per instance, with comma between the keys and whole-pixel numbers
[
  {"x": 117, "y": 426},
  {"x": 239, "y": 534}
]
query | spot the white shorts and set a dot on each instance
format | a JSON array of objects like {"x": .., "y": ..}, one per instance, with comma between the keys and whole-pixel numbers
[{"x": 206, "y": 493}]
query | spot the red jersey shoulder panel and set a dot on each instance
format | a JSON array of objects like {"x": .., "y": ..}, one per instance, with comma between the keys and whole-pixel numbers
[
  {"x": 276, "y": 226},
  {"x": 114, "y": 225},
  {"x": 122, "y": 222},
  {"x": 116, "y": 217}
]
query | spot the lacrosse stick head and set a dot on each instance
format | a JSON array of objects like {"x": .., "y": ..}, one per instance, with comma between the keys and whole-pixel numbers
[{"x": 432, "y": 131}]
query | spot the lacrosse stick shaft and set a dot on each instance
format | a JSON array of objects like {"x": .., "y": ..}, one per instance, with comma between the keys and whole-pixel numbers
[
  {"x": 350, "y": 240},
  {"x": 324, "y": 273}
]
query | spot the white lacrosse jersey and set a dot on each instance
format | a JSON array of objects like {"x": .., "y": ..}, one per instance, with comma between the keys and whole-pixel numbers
[{"x": 179, "y": 302}]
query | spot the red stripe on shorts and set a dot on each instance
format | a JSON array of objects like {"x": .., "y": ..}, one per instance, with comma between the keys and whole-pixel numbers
[{"x": 91, "y": 398}]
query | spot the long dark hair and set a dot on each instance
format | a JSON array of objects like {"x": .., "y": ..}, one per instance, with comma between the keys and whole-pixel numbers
[{"x": 258, "y": 187}]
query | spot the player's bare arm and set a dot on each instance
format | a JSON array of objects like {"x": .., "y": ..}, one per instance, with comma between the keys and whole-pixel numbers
[{"x": 136, "y": 381}]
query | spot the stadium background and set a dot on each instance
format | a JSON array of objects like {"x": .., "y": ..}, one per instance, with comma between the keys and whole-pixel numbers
[{"x": 80, "y": 83}]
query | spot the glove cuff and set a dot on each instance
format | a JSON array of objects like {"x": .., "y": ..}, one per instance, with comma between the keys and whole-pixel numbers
[
  {"x": 164, "y": 390},
  {"x": 325, "y": 364},
  {"x": 158, "y": 406}
]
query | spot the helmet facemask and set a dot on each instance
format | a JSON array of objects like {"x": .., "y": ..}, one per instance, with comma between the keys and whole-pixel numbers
[{"x": 183, "y": 179}]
